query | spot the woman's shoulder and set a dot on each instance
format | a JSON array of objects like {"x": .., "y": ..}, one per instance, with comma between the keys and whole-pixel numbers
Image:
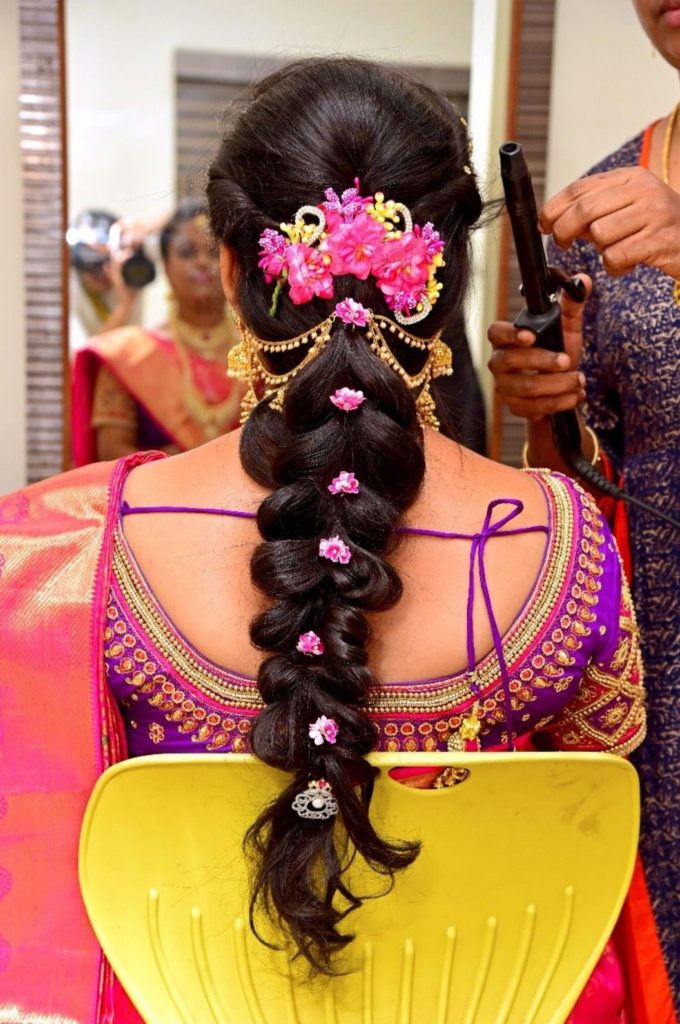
[
  {"x": 131, "y": 340},
  {"x": 465, "y": 485}
]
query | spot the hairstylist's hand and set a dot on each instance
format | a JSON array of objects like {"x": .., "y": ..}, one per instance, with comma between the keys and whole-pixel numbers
[
  {"x": 533, "y": 381},
  {"x": 628, "y": 214}
]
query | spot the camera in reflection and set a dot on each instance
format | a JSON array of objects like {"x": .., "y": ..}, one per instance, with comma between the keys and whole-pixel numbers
[{"x": 94, "y": 239}]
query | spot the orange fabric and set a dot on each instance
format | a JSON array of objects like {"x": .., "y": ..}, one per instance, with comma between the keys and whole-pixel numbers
[
  {"x": 647, "y": 145},
  {"x": 637, "y": 942}
]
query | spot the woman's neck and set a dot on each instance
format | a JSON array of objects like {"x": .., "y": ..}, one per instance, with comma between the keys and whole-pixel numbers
[{"x": 201, "y": 316}]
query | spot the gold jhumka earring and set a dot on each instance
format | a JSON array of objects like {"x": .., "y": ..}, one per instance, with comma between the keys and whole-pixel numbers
[{"x": 245, "y": 362}]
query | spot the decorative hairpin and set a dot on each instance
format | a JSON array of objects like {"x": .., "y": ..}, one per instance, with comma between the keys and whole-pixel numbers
[
  {"x": 316, "y": 802},
  {"x": 344, "y": 483},
  {"x": 347, "y": 399},
  {"x": 324, "y": 730},
  {"x": 363, "y": 236},
  {"x": 335, "y": 550},
  {"x": 311, "y": 644}
]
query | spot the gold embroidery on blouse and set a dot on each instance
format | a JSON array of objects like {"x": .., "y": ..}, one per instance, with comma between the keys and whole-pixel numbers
[
  {"x": 391, "y": 699},
  {"x": 548, "y": 666},
  {"x": 609, "y": 710},
  {"x": 201, "y": 724}
]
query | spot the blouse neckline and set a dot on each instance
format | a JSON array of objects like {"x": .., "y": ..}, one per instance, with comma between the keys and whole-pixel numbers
[{"x": 525, "y": 626}]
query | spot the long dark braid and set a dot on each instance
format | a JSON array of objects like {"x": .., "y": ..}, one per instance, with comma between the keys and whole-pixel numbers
[{"x": 314, "y": 125}]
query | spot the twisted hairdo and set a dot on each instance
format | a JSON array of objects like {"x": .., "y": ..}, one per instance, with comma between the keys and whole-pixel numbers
[{"x": 313, "y": 125}]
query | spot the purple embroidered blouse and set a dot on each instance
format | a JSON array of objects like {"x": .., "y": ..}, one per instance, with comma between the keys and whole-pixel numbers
[{"x": 567, "y": 672}]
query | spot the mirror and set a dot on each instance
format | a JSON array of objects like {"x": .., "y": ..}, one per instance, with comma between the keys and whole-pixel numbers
[
  {"x": 144, "y": 98},
  {"x": 109, "y": 85}
]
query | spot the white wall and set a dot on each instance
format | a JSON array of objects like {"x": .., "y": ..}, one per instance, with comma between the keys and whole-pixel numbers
[
  {"x": 12, "y": 340},
  {"x": 121, "y": 90},
  {"x": 607, "y": 84},
  {"x": 491, "y": 32}
]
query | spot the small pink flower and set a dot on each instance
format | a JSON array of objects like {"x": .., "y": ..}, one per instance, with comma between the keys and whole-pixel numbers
[
  {"x": 272, "y": 253},
  {"x": 323, "y": 729},
  {"x": 308, "y": 274},
  {"x": 310, "y": 643},
  {"x": 343, "y": 209},
  {"x": 335, "y": 550},
  {"x": 354, "y": 246},
  {"x": 344, "y": 483},
  {"x": 347, "y": 399},
  {"x": 432, "y": 238},
  {"x": 353, "y": 312}
]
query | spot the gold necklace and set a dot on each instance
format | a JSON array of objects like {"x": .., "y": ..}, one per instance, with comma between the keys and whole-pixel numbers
[
  {"x": 212, "y": 418},
  {"x": 209, "y": 342},
  {"x": 666, "y": 173}
]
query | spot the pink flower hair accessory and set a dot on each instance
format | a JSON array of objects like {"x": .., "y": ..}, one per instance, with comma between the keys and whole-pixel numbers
[
  {"x": 344, "y": 483},
  {"x": 365, "y": 236},
  {"x": 347, "y": 399},
  {"x": 351, "y": 312},
  {"x": 335, "y": 550},
  {"x": 309, "y": 643},
  {"x": 324, "y": 730}
]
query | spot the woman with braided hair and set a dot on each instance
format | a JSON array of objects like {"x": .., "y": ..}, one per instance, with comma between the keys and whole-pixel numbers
[{"x": 336, "y": 577}]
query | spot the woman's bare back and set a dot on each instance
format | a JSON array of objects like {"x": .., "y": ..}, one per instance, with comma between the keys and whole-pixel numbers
[{"x": 199, "y": 565}]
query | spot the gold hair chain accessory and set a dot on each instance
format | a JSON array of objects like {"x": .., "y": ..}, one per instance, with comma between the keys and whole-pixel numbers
[{"x": 245, "y": 362}]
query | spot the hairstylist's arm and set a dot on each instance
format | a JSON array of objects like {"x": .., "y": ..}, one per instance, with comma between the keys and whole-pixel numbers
[
  {"x": 536, "y": 383},
  {"x": 628, "y": 214}
]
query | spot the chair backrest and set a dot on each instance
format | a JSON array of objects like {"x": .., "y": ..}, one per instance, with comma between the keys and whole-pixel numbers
[{"x": 523, "y": 870}]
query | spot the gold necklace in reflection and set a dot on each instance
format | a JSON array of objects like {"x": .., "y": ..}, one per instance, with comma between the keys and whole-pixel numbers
[
  {"x": 213, "y": 344},
  {"x": 210, "y": 342},
  {"x": 666, "y": 173}
]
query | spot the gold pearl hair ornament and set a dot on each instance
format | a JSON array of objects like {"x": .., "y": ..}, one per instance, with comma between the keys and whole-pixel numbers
[{"x": 245, "y": 362}]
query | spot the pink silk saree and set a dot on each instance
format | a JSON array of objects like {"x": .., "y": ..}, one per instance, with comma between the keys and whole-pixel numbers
[
  {"x": 145, "y": 363},
  {"x": 59, "y": 730}
]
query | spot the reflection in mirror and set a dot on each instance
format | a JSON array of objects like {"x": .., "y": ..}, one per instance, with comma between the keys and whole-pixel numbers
[{"x": 141, "y": 133}]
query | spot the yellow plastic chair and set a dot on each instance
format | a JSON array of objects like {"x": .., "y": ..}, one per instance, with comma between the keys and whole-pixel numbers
[{"x": 522, "y": 874}]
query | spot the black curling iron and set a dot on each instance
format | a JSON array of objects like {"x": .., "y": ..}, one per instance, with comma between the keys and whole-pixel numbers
[{"x": 542, "y": 315}]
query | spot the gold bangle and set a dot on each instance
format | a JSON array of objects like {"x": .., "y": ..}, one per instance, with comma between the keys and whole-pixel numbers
[
  {"x": 591, "y": 433},
  {"x": 596, "y": 444}
]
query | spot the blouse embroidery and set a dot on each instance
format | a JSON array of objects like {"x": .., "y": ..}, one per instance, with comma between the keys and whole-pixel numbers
[{"x": 150, "y": 664}]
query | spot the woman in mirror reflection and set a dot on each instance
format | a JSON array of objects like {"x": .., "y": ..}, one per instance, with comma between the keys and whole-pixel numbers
[
  {"x": 620, "y": 226},
  {"x": 336, "y": 577},
  {"x": 166, "y": 389}
]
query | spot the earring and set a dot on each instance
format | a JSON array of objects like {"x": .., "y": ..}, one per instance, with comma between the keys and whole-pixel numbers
[{"x": 240, "y": 366}]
